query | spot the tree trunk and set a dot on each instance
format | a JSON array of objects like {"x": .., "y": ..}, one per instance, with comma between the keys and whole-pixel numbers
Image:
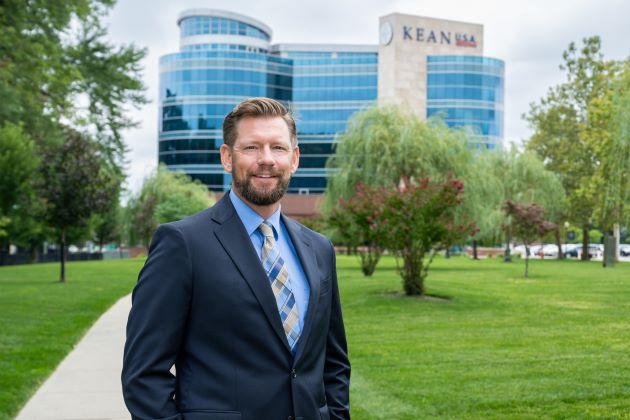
[
  {"x": 508, "y": 255},
  {"x": 62, "y": 277},
  {"x": 526, "y": 261},
  {"x": 559, "y": 244},
  {"x": 610, "y": 250},
  {"x": 617, "y": 237},
  {"x": 475, "y": 255},
  {"x": 585, "y": 239},
  {"x": 4, "y": 252},
  {"x": 448, "y": 252},
  {"x": 369, "y": 260},
  {"x": 413, "y": 282},
  {"x": 34, "y": 251}
]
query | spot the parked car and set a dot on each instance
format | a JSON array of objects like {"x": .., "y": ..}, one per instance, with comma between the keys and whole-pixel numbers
[
  {"x": 594, "y": 251},
  {"x": 624, "y": 250},
  {"x": 549, "y": 250},
  {"x": 535, "y": 250},
  {"x": 571, "y": 250}
]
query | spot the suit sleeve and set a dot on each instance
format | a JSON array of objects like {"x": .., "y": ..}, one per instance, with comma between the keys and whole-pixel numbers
[
  {"x": 337, "y": 365},
  {"x": 156, "y": 325}
]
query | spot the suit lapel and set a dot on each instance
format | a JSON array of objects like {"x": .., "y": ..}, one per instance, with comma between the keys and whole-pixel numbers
[
  {"x": 305, "y": 253},
  {"x": 233, "y": 237}
]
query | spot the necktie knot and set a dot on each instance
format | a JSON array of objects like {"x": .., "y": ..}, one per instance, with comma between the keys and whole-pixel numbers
[{"x": 267, "y": 230}]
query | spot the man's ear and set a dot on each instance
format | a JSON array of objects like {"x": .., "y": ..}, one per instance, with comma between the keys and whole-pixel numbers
[
  {"x": 226, "y": 157},
  {"x": 296, "y": 159}
]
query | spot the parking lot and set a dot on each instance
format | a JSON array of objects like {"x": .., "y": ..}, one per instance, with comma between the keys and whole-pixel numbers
[{"x": 550, "y": 251}]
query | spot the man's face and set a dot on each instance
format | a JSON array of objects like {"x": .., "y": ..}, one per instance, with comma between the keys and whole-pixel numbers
[{"x": 262, "y": 159}]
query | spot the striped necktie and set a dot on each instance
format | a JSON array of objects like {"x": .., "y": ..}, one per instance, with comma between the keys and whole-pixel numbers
[{"x": 276, "y": 270}]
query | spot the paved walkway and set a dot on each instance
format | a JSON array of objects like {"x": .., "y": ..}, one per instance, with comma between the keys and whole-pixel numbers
[{"x": 86, "y": 385}]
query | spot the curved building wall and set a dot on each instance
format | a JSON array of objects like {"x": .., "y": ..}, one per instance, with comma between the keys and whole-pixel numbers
[
  {"x": 330, "y": 84},
  {"x": 201, "y": 84},
  {"x": 205, "y": 25},
  {"x": 467, "y": 91}
]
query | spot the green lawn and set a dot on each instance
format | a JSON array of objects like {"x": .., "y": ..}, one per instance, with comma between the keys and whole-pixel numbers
[
  {"x": 41, "y": 319},
  {"x": 556, "y": 345}
]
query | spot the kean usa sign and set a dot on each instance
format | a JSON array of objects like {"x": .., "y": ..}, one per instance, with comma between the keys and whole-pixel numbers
[{"x": 419, "y": 34}]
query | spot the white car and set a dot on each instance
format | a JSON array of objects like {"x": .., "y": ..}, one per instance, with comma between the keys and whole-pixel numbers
[
  {"x": 534, "y": 250},
  {"x": 550, "y": 250}
]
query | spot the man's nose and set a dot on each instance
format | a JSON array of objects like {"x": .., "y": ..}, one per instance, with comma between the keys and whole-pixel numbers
[{"x": 265, "y": 156}]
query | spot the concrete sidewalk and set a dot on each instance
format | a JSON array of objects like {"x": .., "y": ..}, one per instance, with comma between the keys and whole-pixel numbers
[{"x": 86, "y": 385}]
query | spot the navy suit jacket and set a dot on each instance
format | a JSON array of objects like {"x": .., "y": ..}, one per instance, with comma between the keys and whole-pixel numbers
[{"x": 203, "y": 303}]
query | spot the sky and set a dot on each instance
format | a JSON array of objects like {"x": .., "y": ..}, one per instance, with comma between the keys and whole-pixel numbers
[{"x": 529, "y": 36}]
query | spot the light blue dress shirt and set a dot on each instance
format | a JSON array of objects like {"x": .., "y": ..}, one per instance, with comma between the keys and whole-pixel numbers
[{"x": 299, "y": 283}]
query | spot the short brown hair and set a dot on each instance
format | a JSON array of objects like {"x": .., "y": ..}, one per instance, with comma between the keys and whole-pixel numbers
[{"x": 256, "y": 107}]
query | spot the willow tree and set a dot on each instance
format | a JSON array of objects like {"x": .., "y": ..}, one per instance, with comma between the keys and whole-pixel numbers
[
  {"x": 384, "y": 145},
  {"x": 484, "y": 198},
  {"x": 523, "y": 178},
  {"x": 609, "y": 135}
]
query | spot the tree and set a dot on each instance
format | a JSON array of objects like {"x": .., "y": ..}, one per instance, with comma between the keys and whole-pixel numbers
[
  {"x": 528, "y": 224},
  {"x": 18, "y": 165},
  {"x": 109, "y": 79},
  {"x": 420, "y": 220},
  {"x": 561, "y": 123},
  {"x": 484, "y": 196},
  {"x": 165, "y": 196},
  {"x": 3, "y": 222},
  {"x": 54, "y": 55},
  {"x": 57, "y": 73},
  {"x": 354, "y": 219},
  {"x": 384, "y": 144},
  {"x": 107, "y": 226},
  {"x": 609, "y": 137},
  {"x": 523, "y": 178},
  {"x": 77, "y": 183}
]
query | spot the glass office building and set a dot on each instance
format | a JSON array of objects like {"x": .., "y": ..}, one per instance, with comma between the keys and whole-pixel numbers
[
  {"x": 330, "y": 83},
  {"x": 467, "y": 91},
  {"x": 224, "y": 60},
  {"x": 226, "y": 57}
]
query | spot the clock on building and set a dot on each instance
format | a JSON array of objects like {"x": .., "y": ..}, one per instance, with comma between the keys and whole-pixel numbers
[{"x": 387, "y": 32}]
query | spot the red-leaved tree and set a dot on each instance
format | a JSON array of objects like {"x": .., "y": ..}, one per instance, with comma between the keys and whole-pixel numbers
[
  {"x": 419, "y": 219},
  {"x": 355, "y": 222},
  {"x": 528, "y": 224}
]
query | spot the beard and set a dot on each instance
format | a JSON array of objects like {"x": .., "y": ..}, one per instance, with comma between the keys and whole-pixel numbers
[{"x": 261, "y": 196}]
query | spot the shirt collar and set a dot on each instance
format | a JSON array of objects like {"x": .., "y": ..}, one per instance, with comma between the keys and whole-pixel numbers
[{"x": 251, "y": 220}]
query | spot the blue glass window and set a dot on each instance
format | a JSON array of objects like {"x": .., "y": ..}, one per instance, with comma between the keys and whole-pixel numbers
[
  {"x": 203, "y": 25},
  {"x": 467, "y": 91}
]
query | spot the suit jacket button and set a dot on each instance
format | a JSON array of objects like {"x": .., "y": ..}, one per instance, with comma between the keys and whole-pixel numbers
[{"x": 293, "y": 374}]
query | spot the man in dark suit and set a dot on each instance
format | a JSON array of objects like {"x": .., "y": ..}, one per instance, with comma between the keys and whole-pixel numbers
[{"x": 242, "y": 300}]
